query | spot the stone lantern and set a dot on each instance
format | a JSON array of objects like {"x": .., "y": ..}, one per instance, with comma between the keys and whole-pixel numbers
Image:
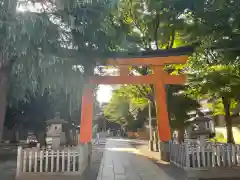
[
  {"x": 55, "y": 134},
  {"x": 201, "y": 128}
]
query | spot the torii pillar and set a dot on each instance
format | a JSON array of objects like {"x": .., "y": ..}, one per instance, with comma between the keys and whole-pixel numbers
[
  {"x": 163, "y": 125},
  {"x": 86, "y": 114}
]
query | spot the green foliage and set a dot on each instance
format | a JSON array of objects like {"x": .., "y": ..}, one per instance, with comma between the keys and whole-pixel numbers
[
  {"x": 175, "y": 99},
  {"x": 30, "y": 115},
  {"x": 91, "y": 29},
  {"x": 52, "y": 45},
  {"x": 153, "y": 24},
  {"x": 216, "y": 106},
  {"x": 31, "y": 49},
  {"x": 127, "y": 109},
  {"x": 219, "y": 138},
  {"x": 118, "y": 108},
  {"x": 214, "y": 68},
  {"x": 217, "y": 81}
]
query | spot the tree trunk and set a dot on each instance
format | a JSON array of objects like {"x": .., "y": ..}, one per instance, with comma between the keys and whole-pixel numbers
[
  {"x": 228, "y": 119},
  {"x": 8, "y": 13},
  {"x": 181, "y": 135},
  {"x": 3, "y": 97},
  {"x": 41, "y": 138}
]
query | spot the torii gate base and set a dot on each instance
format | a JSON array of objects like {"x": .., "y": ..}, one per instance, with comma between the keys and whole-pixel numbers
[{"x": 158, "y": 78}]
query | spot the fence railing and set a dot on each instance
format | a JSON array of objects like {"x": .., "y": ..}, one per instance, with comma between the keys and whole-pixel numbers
[
  {"x": 178, "y": 154},
  {"x": 210, "y": 155},
  {"x": 68, "y": 160}
]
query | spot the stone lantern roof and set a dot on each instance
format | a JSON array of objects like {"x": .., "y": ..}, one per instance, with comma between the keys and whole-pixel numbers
[
  {"x": 56, "y": 120},
  {"x": 199, "y": 119},
  {"x": 199, "y": 125}
]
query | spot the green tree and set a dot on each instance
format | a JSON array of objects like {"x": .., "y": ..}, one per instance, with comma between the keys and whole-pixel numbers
[
  {"x": 131, "y": 99},
  {"x": 26, "y": 42},
  {"x": 31, "y": 115},
  {"x": 43, "y": 47},
  {"x": 218, "y": 82},
  {"x": 118, "y": 109},
  {"x": 215, "y": 25},
  {"x": 179, "y": 116}
]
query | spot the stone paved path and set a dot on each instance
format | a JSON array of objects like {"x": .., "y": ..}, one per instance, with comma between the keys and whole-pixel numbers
[
  {"x": 170, "y": 169},
  {"x": 121, "y": 161}
]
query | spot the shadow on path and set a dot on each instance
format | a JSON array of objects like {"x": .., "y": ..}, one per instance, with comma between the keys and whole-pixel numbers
[{"x": 171, "y": 170}]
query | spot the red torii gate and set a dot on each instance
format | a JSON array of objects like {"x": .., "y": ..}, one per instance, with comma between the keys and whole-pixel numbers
[{"x": 159, "y": 78}]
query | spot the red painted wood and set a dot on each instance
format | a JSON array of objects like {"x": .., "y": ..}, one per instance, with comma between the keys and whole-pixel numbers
[
  {"x": 156, "y": 61},
  {"x": 86, "y": 115},
  {"x": 164, "y": 131},
  {"x": 150, "y": 79}
]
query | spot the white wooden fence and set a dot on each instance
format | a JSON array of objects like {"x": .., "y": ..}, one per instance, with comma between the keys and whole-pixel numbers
[
  {"x": 72, "y": 159},
  {"x": 211, "y": 155}
]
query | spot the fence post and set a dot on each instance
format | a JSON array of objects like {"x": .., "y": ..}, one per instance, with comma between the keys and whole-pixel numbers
[
  {"x": 223, "y": 152},
  {"x": 52, "y": 160},
  {"x": 80, "y": 158},
  {"x": 213, "y": 150},
  {"x": 30, "y": 155},
  {"x": 193, "y": 158},
  {"x": 46, "y": 161},
  {"x": 234, "y": 155},
  {"x": 182, "y": 155},
  {"x": 35, "y": 160},
  {"x": 187, "y": 155},
  {"x": 24, "y": 160},
  {"x": 218, "y": 155},
  {"x": 237, "y": 155},
  {"x": 74, "y": 159},
  {"x": 198, "y": 156},
  {"x": 41, "y": 160},
  {"x": 202, "y": 146},
  {"x": 229, "y": 152},
  {"x": 63, "y": 160},
  {"x": 19, "y": 161},
  {"x": 175, "y": 153},
  {"x": 57, "y": 163},
  {"x": 68, "y": 160},
  {"x": 170, "y": 150}
]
